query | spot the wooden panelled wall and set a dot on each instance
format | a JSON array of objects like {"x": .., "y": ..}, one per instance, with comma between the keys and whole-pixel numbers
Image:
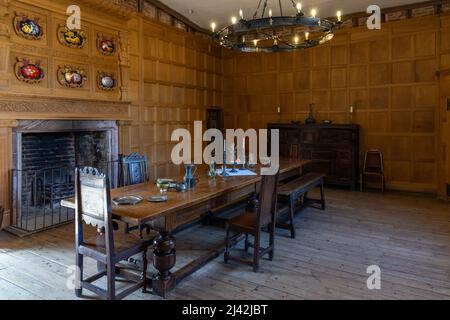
[
  {"x": 444, "y": 109},
  {"x": 169, "y": 77},
  {"x": 389, "y": 76},
  {"x": 174, "y": 77},
  {"x": 52, "y": 54},
  {"x": 49, "y": 99}
]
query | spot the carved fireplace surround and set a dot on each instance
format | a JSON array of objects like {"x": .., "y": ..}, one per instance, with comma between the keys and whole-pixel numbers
[{"x": 25, "y": 114}]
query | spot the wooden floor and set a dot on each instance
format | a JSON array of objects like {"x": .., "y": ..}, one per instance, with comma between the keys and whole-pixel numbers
[{"x": 407, "y": 236}]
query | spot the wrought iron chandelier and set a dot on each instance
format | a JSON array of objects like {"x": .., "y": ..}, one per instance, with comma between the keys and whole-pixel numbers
[{"x": 268, "y": 33}]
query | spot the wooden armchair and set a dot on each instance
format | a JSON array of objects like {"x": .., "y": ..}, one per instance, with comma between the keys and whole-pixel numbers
[
  {"x": 373, "y": 166},
  {"x": 93, "y": 206},
  {"x": 251, "y": 223}
]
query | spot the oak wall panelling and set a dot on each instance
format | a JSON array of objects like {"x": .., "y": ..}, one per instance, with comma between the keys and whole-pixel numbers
[
  {"x": 387, "y": 75},
  {"x": 48, "y": 99},
  {"x": 167, "y": 77},
  {"x": 444, "y": 120},
  {"x": 176, "y": 76}
]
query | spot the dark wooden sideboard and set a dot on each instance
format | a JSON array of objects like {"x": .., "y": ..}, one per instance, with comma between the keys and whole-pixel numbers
[{"x": 333, "y": 149}]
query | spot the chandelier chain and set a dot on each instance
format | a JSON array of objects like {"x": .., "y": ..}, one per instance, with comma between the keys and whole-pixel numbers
[
  {"x": 294, "y": 4},
  {"x": 257, "y": 9},
  {"x": 264, "y": 9}
]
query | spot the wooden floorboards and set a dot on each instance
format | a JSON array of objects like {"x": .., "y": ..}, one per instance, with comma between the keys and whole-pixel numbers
[{"x": 407, "y": 236}]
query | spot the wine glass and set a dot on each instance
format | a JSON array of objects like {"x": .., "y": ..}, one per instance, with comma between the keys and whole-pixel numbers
[{"x": 162, "y": 185}]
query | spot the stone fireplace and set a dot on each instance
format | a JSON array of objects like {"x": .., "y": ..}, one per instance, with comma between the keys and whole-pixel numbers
[{"x": 45, "y": 154}]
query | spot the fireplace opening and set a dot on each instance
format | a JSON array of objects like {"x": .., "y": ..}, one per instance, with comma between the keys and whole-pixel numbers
[{"x": 45, "y": 160}]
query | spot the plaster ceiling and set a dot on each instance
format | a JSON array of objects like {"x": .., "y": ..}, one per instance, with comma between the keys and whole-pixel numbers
[{"x": 203, "y": 12}]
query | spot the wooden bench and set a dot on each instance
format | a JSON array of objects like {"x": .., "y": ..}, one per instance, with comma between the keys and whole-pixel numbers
[{"x": 292, "y": 191}]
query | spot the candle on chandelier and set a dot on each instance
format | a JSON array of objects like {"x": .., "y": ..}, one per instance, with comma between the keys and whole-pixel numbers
[
  {"x": 213, "y": 26},
  {"x": 255, "y": 42},
  {"x": 339, "y": 16},
  {"x": 241, "y": 14},
  {"x": 299, "y": 7},
  {"x": 307, "y": 35},
  {"x": 296, "y": 40},
  {"x": 313, "y": 13},
  {"x": 233, "y": 20},
  {"x": 270, "y": 13}
]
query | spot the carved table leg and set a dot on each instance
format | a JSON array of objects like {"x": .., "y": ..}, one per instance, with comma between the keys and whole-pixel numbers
[{"x": 164, "y": 258}]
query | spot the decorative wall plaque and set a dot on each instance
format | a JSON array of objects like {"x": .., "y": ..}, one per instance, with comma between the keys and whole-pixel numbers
[
  {"x": 71, "y": 77},
  {"x": 27, "y": 28},
  {"x": 71, "y": 38},
  {"x": 27, "y": 71},
  {"x": 106, "y": 45},
  {"x": 106, "y": 81}
]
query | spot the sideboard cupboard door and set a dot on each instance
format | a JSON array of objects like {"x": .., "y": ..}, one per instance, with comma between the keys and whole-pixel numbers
[
  {"x": 309, "y": 136},
  {"x": 333, "y": 149},
  {"x": 289, "y": 141}
]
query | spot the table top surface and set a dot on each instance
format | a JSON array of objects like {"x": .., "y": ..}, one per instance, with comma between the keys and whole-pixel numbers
[{"x": 204, "y": 190}]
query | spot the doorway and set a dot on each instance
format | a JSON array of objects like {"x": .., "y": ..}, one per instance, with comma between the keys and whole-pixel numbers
[{"x": 214, "y": 119}]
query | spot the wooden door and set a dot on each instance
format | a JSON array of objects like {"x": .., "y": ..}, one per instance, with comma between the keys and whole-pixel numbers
[{"x": 214, "y": 119}]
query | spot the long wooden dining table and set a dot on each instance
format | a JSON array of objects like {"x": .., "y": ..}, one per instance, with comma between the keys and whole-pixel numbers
[{"x": 184, "y": 208}]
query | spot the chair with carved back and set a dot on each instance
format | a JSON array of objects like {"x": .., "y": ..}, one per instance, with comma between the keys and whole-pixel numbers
[
  {"x": 252, "y": 222},
  {"x": 373, "y": 166},
  {"x": 93, "y": 207},
  {"x": 134, "y": 169}
]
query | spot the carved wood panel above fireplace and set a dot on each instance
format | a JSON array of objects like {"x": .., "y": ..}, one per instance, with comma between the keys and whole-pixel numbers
[{"x": 22, "y": 107}]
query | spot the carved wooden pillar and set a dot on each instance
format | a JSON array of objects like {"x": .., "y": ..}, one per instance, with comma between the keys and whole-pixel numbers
[
  {"x": 5, "y": 166},
  {"x": 124, "y": 127},
  {"x": 124, "y": 64},
  {"x": 5, "y": 45}
]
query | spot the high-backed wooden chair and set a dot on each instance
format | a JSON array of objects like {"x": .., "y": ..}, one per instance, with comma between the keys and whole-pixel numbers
[
  {"x": 134, "y": 169},
  {"x": 251, "y": 223},
  {"x": 373, "y": 166},
  {"x": 93, "y": 207}
]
